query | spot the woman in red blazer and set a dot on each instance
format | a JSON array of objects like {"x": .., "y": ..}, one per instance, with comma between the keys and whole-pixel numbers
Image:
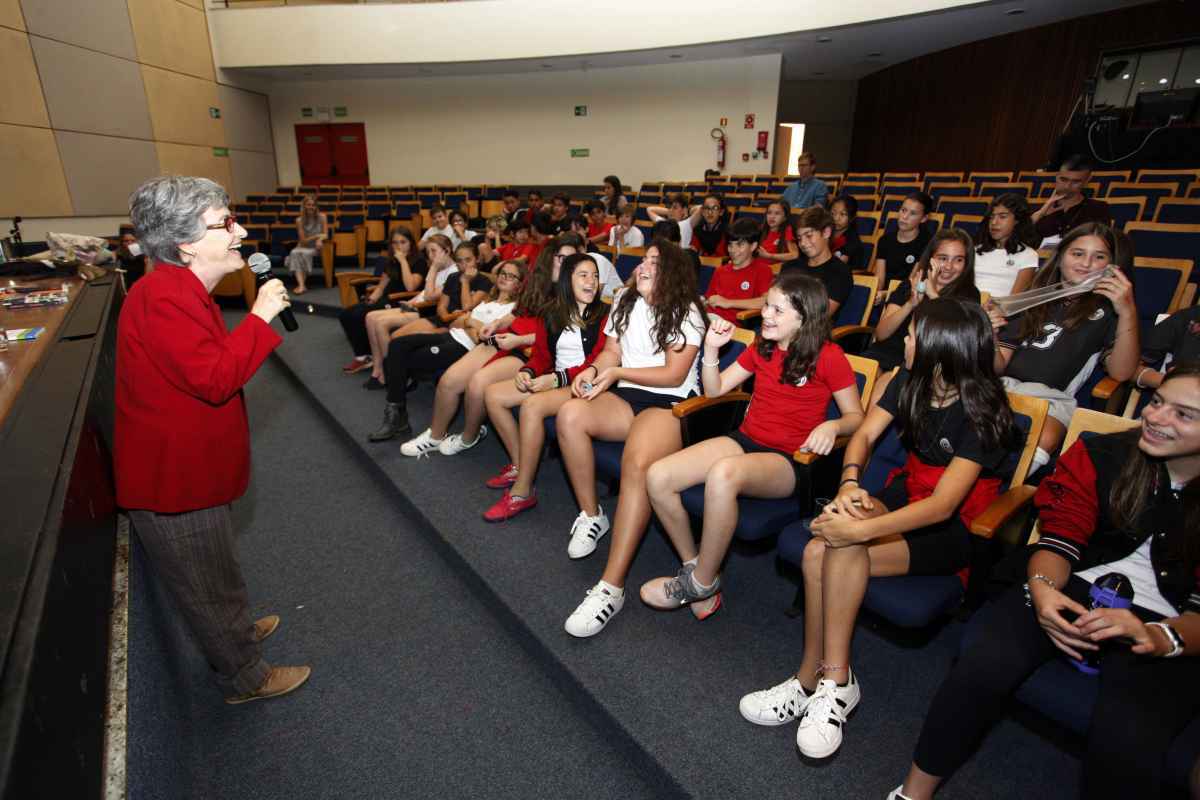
[{"x": 182, "y": 444}]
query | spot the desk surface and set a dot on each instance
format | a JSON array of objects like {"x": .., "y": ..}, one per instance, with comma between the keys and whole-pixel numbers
[{"x": 21, "y": 357}]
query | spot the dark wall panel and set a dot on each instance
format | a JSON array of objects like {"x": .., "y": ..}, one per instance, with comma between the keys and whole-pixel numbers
[{"x": 997, "y": 103}]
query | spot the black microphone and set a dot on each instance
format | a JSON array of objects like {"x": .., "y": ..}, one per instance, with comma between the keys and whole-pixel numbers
[{"x": 260, "y": 265}]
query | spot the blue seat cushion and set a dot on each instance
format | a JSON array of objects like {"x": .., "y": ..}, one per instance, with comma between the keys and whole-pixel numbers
[
  {"x": 1062, "y": 693},
  {"x": 757, "y": 518},
  {"x": 607, "y": 454}
]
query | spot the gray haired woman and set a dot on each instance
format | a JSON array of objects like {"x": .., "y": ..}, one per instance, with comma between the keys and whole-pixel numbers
[{"x": 312, "y": 229}]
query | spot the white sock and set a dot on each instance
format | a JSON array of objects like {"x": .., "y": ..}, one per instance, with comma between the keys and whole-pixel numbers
[
  {"x": 1040, "y": 459},
  {"x": 362, "y": 358},
  {"x": 613, "y": 590}
]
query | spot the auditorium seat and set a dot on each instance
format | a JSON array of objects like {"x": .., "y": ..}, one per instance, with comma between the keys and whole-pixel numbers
[
  {"x": 1107, "y": 177},
  {"x": 997, "y": 188},
  {"x": 939, "y": 190},
  {"x": 1153, "y": 192},
  {"x": 971, "y": 223},
  {"x": 1178, "y": 211},
  {"x": 1183, "y": 179},
  {"x": 977, "y": 179},
  {"x": 941, "y": 177},
  {"x": 950, "y": 205},
  {"x": 1162, "y": 240},
  {"x": 1126, "y": 210}
]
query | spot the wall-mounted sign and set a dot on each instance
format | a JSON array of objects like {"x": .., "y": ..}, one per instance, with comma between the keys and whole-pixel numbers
[
  {"x": 214, "y": 112},
  {"x": 724, "y": 121},
  {"x": 749, "y": 122},
  {"x": 581, "y": 111},
  {"x": 222, "y": 152},
  {"x": 339, "y": 111},
  {"x": 580, "y": 152},
  {"x": 306, "y": 111}
]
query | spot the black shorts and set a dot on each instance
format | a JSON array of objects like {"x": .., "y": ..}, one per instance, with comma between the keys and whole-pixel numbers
[
  {"x": 941, "y": 549},
  {"x": 640, "y": 399},
  {"x": 801, "y": 471}
]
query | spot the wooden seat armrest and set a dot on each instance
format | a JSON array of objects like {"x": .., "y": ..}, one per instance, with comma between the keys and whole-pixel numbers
[
  {"x": 1113, "y": 393},
  {"x": 804, "y": 457},
  {"x": 842, "y": 331},
  {"x": 1001, "y": 510},
  {"x": 1105, "y": 388},
  {"x": 693, "y": 404},
  {"x": 407, "y": 295},
  {"x": 749, "y": 313}
]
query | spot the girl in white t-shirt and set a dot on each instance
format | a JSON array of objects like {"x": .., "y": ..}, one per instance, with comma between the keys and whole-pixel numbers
[
  {"x": 1005, "y": 262},
  {"x": 647, "y": 366}
]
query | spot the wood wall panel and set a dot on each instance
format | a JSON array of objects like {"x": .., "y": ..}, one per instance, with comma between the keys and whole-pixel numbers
[
  {"x": 253, "y": 173},
  {"x": 92, "y": 92},
  {"x": 33, "y": 184},
  {"x": 102, "y": 170},
  {"x": 999, "y": 103},
  {"x": 182, "y": 159},
  {"x": 21, "y": 101},
  {"x": 101, "y": 25},
  {"x": 173, "y": 36},
  {"x": 179, "y": 108},
  {"x": 10, "y": 14}
]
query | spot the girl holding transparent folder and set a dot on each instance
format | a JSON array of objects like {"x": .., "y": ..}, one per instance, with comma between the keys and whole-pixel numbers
[{"x": 1079, "y": 310}]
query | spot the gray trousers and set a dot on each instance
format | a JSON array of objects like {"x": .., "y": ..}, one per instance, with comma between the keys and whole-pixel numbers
[{"x": 194, "y": 556}]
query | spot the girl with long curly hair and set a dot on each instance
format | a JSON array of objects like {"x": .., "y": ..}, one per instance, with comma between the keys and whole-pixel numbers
[
  {"x": 647, "y": 366},
  {"x": 798, "y": 371}
]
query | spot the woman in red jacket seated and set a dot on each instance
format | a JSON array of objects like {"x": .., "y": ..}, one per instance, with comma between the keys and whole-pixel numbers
[
  {"x": 568, "y": 338},
  {"x": 1126, "y": 503}
]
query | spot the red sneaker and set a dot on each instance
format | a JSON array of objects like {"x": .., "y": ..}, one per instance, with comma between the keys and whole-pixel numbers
[
  {"x": 357, "y": 365},
  {"x": 505, "y": 478},
  {"x": 508, "y": 507}
]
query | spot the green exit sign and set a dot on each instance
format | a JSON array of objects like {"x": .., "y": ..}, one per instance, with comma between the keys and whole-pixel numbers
[
  {"x": 214, "y": 112},
  {"x": 580, "y": 152},
  {"x": 223, "y": 152},
  {"x": 581, "y": 111},
  {"x": 306, "y": 111},
  {"x": 339, "y": 111}
]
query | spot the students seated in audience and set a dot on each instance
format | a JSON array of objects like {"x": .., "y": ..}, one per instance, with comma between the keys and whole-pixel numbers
[
  {"x": 778, "y": 237},
  {"x": 445, "y": 349},
  {"x": 512, "y": 207},
  {"x": 458, "y": 222},
  {"x": 1006, "y": 258},
  {"x": 899, "y": 250},
  {"x": 625, "y": 233},
  {"x": 1050, "y": 350},
  {"x": 954, "y": 419},
  {"x": 814, "y": 230},
  {"x": 1126, "y": 503},
  {"x": 400, "y": 269},
  {"x": 808, "y": 191},
  {"x": 1068, "y": 207},
  {"x": 797, "y": 371},
  {"x": 489, "y": 257},
  {"x": 558, "y": 220},
  {"x": 441, "y": 226},
  {"x": 536, "y": 206},
  {"x": 945, "y": 269},
  {"x": 520, "y": 249},
  {"x": 1176, "y": 338},
  {"x": 708, "y": 237},
  {"x": 678, "y": 210},
  {"x": 312, "y": 231},
  {"x": 614, "y": 198},
  {"x": 383, "y": 324},
  {"x": 569, "y": 335},
  {"x": 846, "y": 244},
  {"x": 131, "y": 258},
  {"x": 598, "y": 227},
  {"x": 648, "y": 364},
  {"x": 741, "y": 283},
  {"x": 668, "y": 230}
]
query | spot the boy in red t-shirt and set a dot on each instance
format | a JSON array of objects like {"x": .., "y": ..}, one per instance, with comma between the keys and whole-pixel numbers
[
  {"x": 598, "y": 228},
  {"x": 742, "y": 282},
  {"x": 520, "y": 249}
]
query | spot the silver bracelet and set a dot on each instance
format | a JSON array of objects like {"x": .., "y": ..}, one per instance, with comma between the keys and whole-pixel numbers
[
  {"x": 704, "y": 363},
  {"x": 1038, "y": 577},
  {"x": 1173, "y": 637}
]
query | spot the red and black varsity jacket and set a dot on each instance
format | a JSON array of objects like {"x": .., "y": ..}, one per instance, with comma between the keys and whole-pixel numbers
[
  {"x": 1076, "y": 520},
  {"x": 545, "y": 345}
]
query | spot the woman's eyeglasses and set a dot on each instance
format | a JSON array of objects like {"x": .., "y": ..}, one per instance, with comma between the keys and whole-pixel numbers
[
  {"x": 229, "y": 223},
  {"x": 512, "y": 276}
]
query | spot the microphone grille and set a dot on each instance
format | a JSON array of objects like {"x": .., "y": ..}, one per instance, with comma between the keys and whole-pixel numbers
[{"x": 259, "y": 263}]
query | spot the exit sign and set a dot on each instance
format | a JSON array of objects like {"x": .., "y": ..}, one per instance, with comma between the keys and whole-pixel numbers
[
  {"x": 339, "y": 111},
  {"x": 580, "y": 152},
  {"x": 306, "y": 111},
  {"x": 581, "y": 111},
  {"x": 222, "y": 152},
  {"x": 214, "y": 112}
]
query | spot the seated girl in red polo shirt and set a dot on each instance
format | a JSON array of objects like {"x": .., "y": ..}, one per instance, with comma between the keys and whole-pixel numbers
[
  {"x": 778, "y": 243},
  {"x": 954, "y": 419},
  {"x": 798, "y": 370},
  {"x": 741, "y": 283}
]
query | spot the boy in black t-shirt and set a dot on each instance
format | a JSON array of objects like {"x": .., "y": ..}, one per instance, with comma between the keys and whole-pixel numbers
[
  {"x": 1177, "y": 336},
  {"x": 899, "y": 250},
  {"x": 814, "y": 229}
]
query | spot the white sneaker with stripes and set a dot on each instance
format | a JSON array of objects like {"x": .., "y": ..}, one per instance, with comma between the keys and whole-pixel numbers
[
  {"x": 820, "y": 731},
  {"x": 600, "y": 605}
]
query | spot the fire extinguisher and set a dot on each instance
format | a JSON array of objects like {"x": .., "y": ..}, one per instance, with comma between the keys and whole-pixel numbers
[{"x": 719, "y": 135}]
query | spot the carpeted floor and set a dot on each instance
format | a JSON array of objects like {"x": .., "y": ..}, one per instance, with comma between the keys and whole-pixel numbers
[{"x": 440, "y": 663}]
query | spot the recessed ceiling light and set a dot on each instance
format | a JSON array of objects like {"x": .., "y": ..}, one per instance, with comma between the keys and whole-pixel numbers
[
  {"x": 676, "y": 55},
  {"x": 823, "y": 39},
  {"x": 1125, "y": 77},
  {"x": 547, "y": 66},
  {"x": 874, "y": 55},
  {"x": 1162, "y": 80},
  {"x": 1012, "y": 12},
  {"x": 1197, "y": 80}
]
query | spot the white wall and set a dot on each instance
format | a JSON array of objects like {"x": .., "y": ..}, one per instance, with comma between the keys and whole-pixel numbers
[{"x": 643, "y": 123}]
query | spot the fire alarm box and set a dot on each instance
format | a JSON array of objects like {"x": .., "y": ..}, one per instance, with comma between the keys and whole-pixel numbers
[
  {"x": 762, "y": 141},
  {"x": 749, "y": 122}
]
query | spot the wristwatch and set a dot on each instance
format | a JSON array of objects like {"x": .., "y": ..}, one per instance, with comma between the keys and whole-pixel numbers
[{"x": 1173, "y": 637}]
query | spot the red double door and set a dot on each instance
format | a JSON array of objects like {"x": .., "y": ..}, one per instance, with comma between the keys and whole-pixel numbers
[{"x": 333, "y": 153}]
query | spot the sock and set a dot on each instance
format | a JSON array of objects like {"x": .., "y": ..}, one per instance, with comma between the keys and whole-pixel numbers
[
  {"x": 362, "y": 358},
  {"x": 1040, "y": 459},
  {"x": 613, "y": 590}
]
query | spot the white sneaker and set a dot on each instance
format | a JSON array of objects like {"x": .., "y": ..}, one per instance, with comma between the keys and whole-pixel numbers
[
  {"x": 778, "y": 705},
  {"x": 421, "y": 445},
  {"x": 820, "y": 731},
  {"x": 594, "y": 612},
  {"x": 453, "y": 444},
  {"x": 895, "y": 794},
  {"x": 585, "y": 532}
]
